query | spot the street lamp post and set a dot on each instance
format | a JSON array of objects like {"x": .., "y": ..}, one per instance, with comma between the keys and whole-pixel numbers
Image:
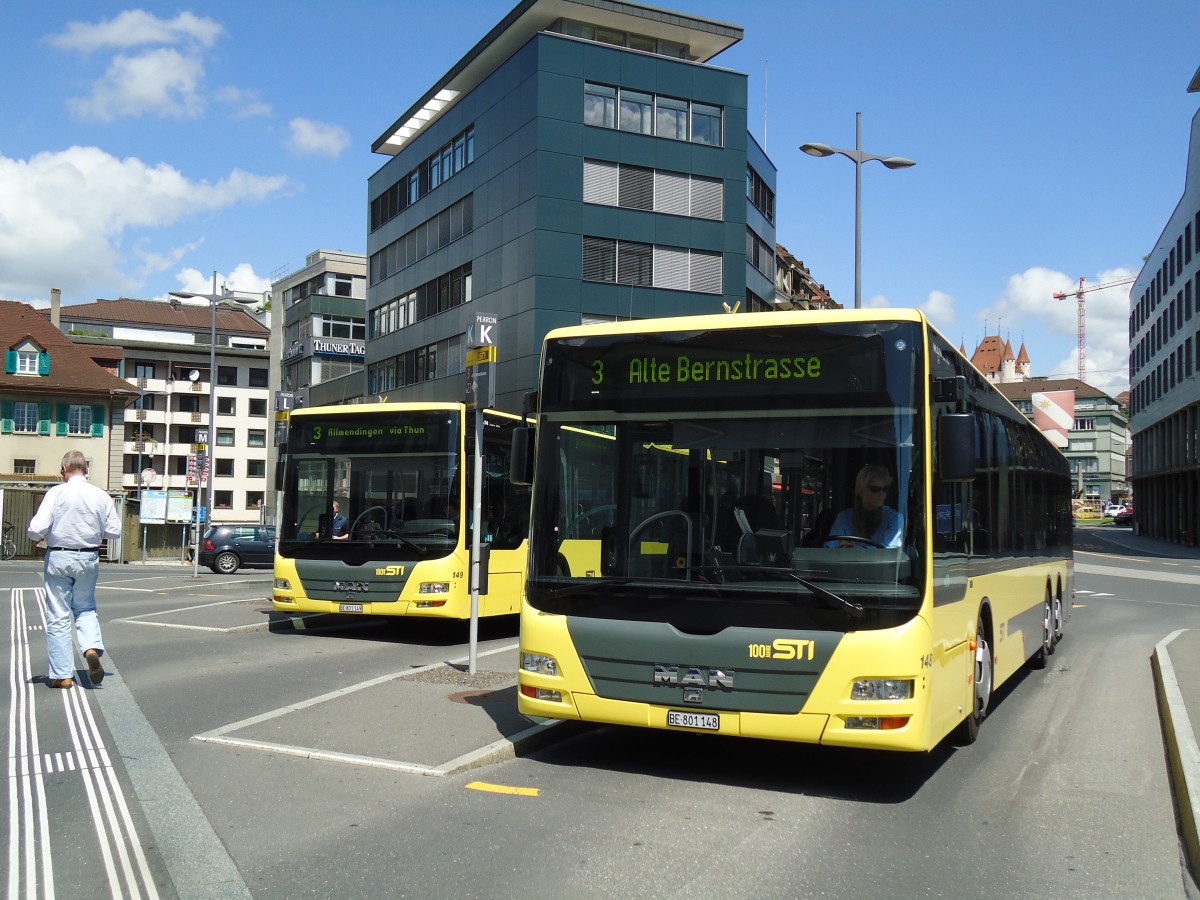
[
  {"x": 858, "y": 157},
  {"x": 213, "y": 299}
]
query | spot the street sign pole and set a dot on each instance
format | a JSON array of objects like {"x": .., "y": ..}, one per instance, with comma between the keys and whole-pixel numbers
[{"x": 481, "y": 357}]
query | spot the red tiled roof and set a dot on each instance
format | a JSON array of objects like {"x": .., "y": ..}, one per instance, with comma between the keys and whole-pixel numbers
[
  {"x": 72, "y": 370},
  {"x": 160, "y": 312},
  {"x": 989, "y": 354},
  {"x": 1023, "y": 356}
]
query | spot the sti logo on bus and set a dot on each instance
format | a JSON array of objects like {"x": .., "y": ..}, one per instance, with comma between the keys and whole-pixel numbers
[
  {"x": 783, "y": 648},
  {"x": 693, "y": 676},
  {"x": 390, "y": 570}
]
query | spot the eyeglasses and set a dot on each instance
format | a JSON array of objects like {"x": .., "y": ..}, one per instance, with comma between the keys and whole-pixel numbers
[{"x": 878, "y": 488}]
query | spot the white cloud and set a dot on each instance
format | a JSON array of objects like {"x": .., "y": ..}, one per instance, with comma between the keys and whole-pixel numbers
[
  {"x": 939, "y": 307},
  {"x": 164, "y": 82},
  {"x": 248, "y": 103},
  {"x": 137, "y": 27},
  {"x": 67, "y": 214},
  {"x": 1028, "y": 301},
  {"x": 311, "y": 138}
]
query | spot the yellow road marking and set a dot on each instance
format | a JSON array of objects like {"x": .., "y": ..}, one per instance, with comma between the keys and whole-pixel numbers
[{"x": 503, "y": 789}]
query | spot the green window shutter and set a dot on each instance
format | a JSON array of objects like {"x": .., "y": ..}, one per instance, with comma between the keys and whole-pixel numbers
[
  {"x": 43, "y": 363},
  {"x": 10, "y": 362},
  {"x": 7, "y": 410},
  {"x": 97, "y": 421},
  {"x": 44, "y": 411},
  {"x": 60, "y": 426}
]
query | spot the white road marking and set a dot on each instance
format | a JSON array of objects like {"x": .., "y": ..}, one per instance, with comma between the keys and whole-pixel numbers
[{"x": 30, "y": 855}]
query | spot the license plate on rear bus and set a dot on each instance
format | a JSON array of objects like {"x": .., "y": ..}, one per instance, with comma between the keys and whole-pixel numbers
[
  {"x": 677, "y": 718},
  {"x": 350, "y": 607}
]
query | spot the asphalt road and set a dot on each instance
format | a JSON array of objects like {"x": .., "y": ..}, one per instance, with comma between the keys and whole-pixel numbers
[{"x": 1065, "y": 794}]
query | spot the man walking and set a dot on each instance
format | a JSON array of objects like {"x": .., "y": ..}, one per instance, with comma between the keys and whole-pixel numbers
[{"x": 74, "y": 518}]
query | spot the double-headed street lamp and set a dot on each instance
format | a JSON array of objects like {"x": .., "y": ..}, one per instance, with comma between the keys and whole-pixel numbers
[
  {"x": 213, "y": 299},
  {"x": 858, "y": 157}
]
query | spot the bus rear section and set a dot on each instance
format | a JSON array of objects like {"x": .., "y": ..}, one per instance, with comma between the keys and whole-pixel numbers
[
  {"x": 735, "y": 530},
  {"x": 376, "y": 519}
]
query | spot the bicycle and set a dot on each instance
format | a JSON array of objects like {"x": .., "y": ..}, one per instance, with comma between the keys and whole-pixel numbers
[{"x": 10, "y": 542}]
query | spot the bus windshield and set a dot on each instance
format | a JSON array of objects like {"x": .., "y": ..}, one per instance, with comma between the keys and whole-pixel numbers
[
  {"x": 743, "y": 477},
  {"x": 384, "y": 484}
]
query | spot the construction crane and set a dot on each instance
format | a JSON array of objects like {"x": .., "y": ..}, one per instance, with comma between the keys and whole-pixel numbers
[{"x": 1078, "y": 295}]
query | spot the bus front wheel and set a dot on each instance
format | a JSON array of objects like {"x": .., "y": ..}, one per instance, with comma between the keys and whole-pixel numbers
[{"x": 981, "y": 692}]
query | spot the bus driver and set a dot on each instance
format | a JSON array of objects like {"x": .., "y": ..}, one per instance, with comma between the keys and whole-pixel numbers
[{"x": 868, "y": 517}]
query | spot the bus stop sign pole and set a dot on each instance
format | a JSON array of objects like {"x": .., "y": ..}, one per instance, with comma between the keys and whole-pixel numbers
[{"x": 481, "y": 393}]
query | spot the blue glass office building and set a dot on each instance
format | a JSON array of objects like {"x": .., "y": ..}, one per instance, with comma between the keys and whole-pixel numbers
[{"x": 583, "y": 162}]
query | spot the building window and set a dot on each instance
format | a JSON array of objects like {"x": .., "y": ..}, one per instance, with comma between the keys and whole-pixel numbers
[
  {"x": 224, "y": 467},
  {"x": 633, "y": 263},
  {"x": 430, "y": 236},
  {"x": 258, "y": 407},
  {"x": 227, "y": 376},
  {"x": 599, "y": 259},
  {"x": 79, "y": 420},
  {"x": 259, "y": 377},
  {"x": 143, "y": 370},
  {"x": 24, "y": 466},
  {"x": 600, "y": 105},
  {"x": 637, "y": 112},
  {"x": 223, "y": 499},
  {"x": 25, "y": 417},
  {"x": 449, "y": 160},
  {"x": 256, "y": 438},
  {"x": 628, "y": 110},
  {"x": 671, "y": 120},
  {"x": 256, "y": 468},
  {"x": 227, "y": 406},
  {"x": 225, "y": 437},
  {"x": 254, "y": 499},
  {"x": 1085, "y": 425},
  {"x": 760, "y": 195},
  {"x": 27, "y": 362}
]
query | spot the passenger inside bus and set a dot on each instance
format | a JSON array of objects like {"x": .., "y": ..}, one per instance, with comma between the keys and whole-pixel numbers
[
  {"x": 339, "y": 526},
  {"x": 869, "y": 522}
]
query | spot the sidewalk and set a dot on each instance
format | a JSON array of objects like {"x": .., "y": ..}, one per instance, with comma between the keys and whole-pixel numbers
[{"x": 1176, "y": 666}]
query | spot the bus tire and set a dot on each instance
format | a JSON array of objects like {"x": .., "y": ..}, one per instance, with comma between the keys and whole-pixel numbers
[
  {"x": 981, "y": 690},
  {"x": 1042, "y": 656},
  {"x": 1058, "y": 618}
]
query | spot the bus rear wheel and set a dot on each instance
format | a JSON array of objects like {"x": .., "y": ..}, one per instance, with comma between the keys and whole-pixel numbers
[{"x": 981, "y": 692}]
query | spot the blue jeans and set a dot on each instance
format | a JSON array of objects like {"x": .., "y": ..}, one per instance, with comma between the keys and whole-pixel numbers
[{"x": 70, "y": 590}]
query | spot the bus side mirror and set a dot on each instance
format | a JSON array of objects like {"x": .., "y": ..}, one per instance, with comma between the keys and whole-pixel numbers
[
  {"x": 279, "y": 465},
  {"x": 520, "y": 469},
  {"x": 956, "y": 447}
]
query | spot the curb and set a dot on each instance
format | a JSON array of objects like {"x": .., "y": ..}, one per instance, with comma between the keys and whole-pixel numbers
[{"x": 1181, "y": 748}]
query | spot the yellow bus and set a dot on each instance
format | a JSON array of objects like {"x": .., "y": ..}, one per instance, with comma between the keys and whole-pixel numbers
[
  {"x": 375, "y": 516},
  {"x": 825, "y": 527}
]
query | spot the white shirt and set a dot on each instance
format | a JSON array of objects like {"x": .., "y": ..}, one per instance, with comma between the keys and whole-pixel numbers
[{"x": 75, "y": 514}]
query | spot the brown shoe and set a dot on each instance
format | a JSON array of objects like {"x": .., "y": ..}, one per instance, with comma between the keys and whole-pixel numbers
[
  {"x": 62, "y": 683},
  {"x": 95, "y": 668}
]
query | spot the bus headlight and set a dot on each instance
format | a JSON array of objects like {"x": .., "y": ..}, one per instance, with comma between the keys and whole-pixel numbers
[
  {"x": 434, "y": 587},
  {"x": 539, "y": 663},
  {"x": 882, "y": 689},
  {"x": 282, "y": 584}
]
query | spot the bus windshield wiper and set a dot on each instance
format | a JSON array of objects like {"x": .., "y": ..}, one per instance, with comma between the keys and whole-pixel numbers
[{"x": 854, "y": 610}]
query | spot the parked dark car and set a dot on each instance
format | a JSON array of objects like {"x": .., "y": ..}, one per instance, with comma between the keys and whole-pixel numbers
[
  {"x": 1124, "y": 518},
  {"x": 226, "y": 548}
]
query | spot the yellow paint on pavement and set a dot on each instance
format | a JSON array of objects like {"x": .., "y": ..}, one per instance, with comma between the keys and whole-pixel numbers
[{"x": 503, "y": 789}]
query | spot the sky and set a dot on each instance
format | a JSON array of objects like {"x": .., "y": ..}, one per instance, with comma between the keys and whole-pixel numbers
[{"x": 145, "y": 147}]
